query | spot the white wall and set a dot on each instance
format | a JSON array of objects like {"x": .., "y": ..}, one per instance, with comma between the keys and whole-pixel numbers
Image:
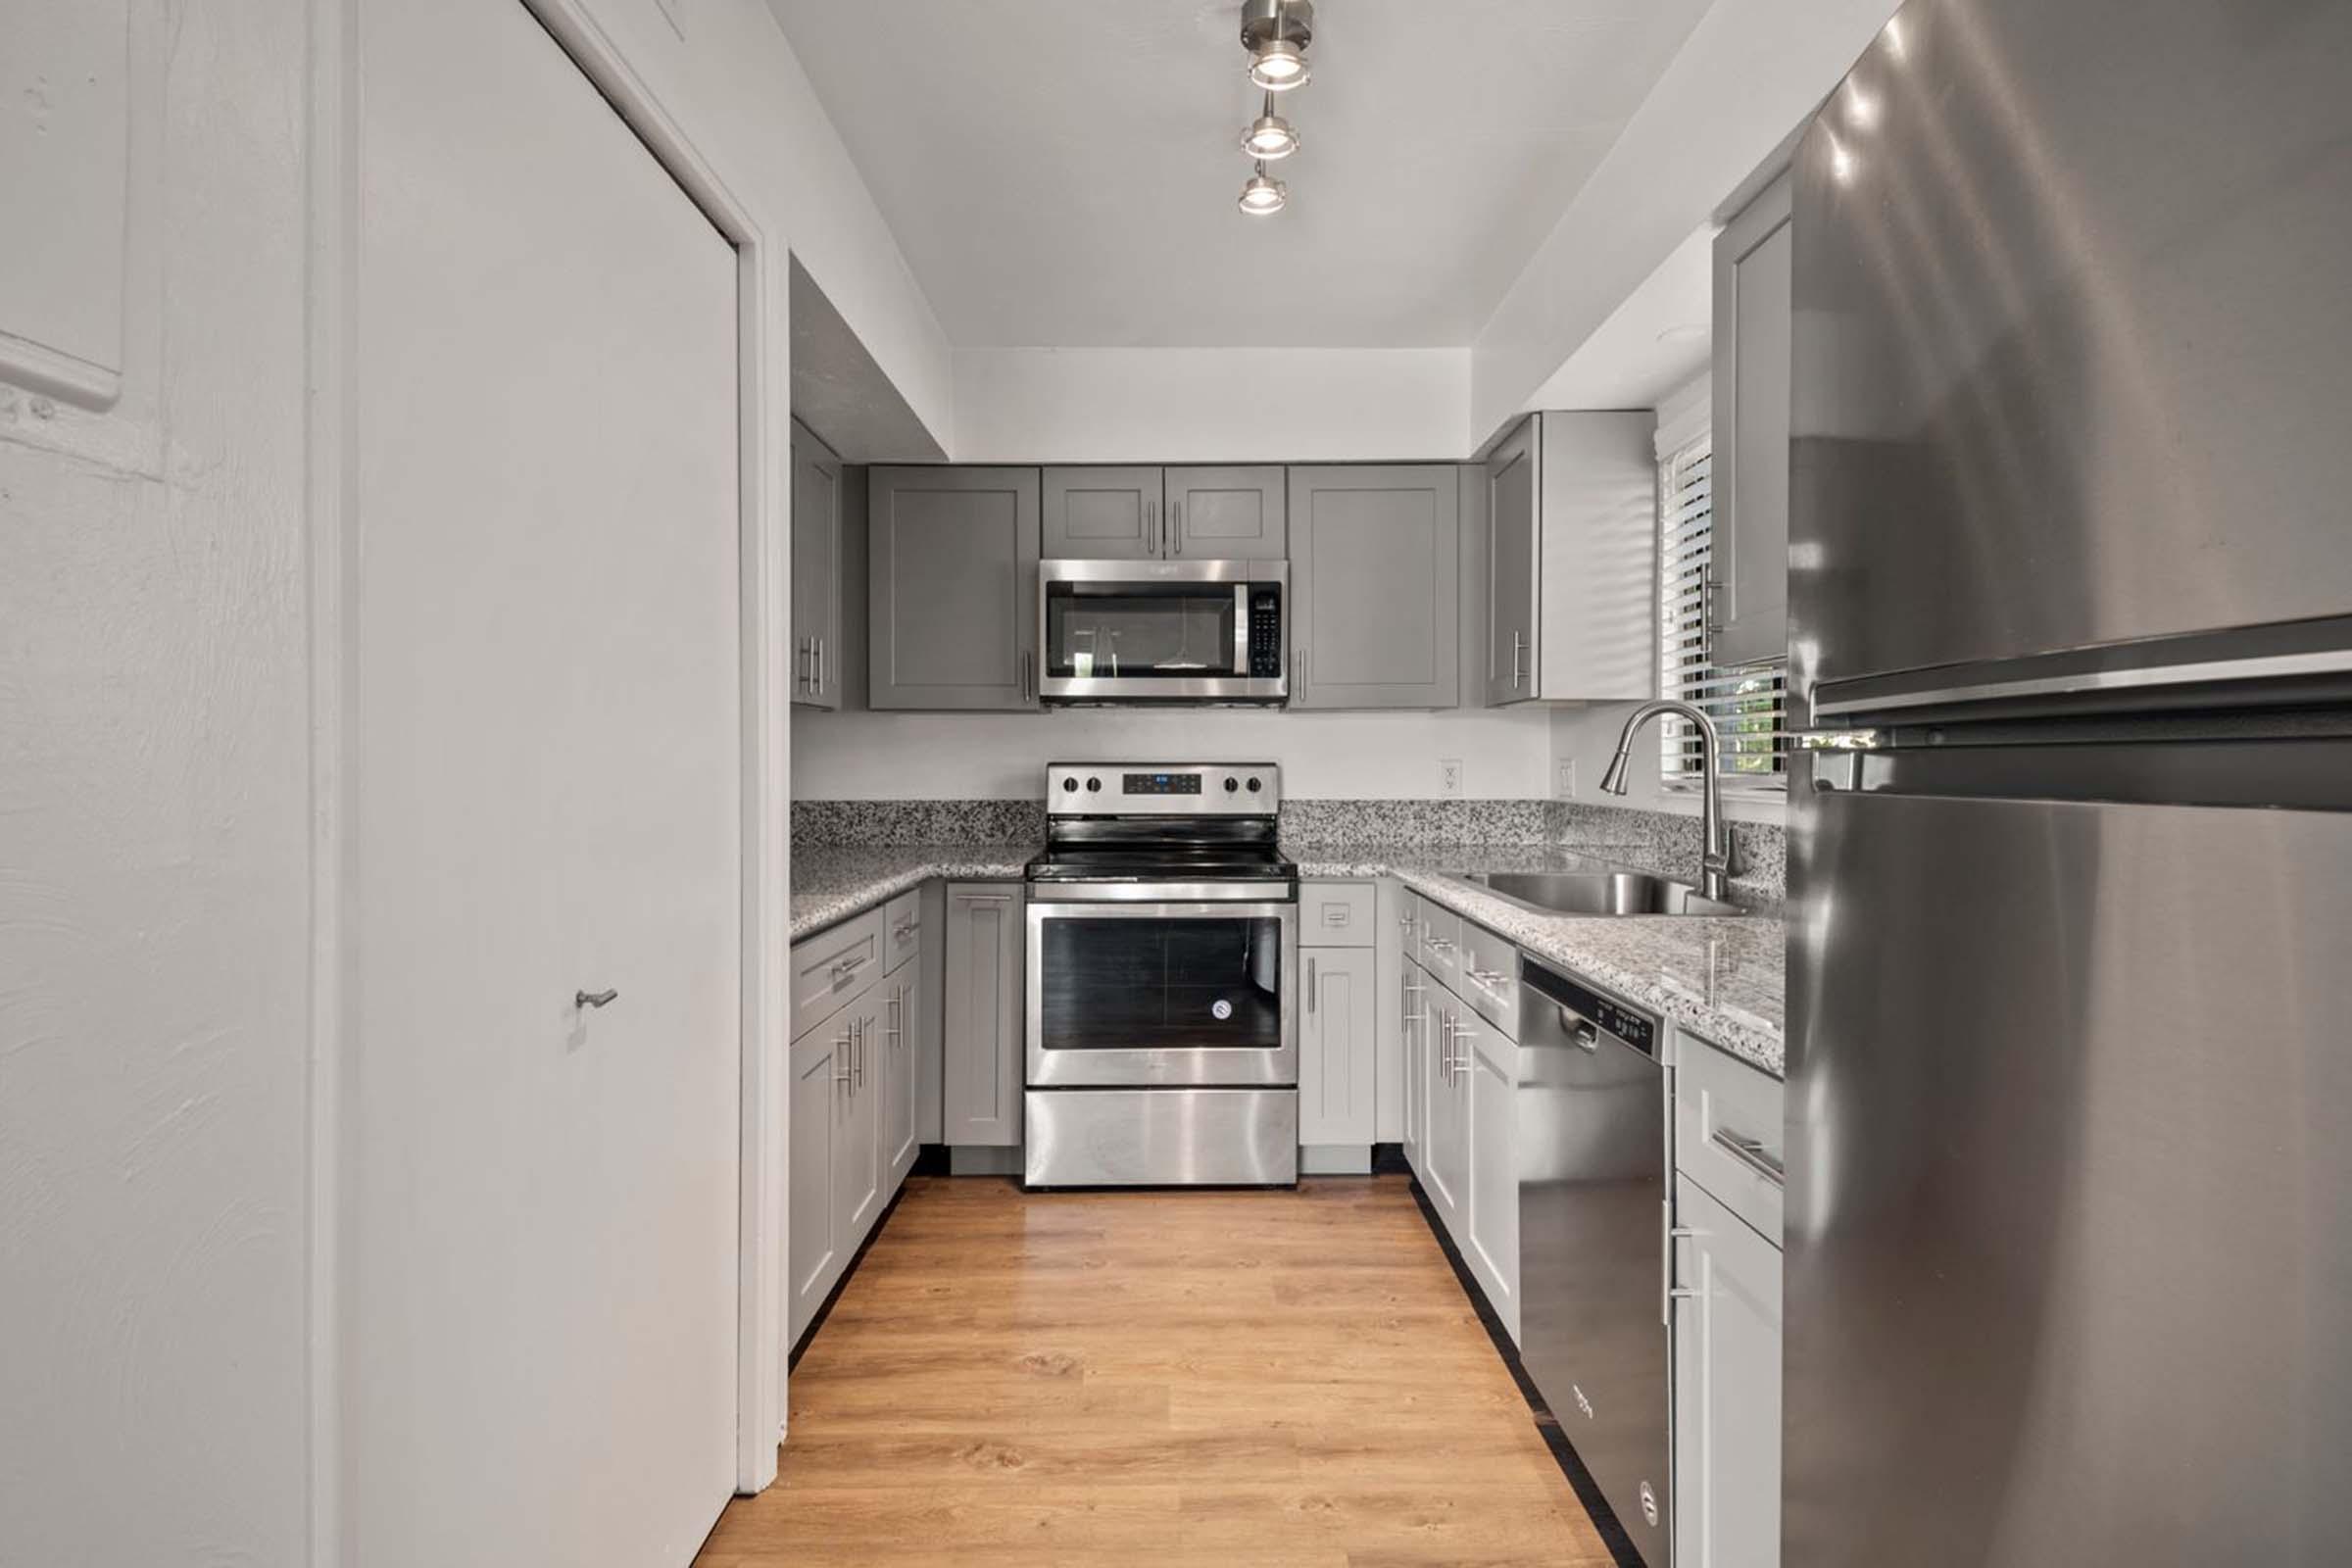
[
  {"x": 1505, "y": 755},
  {"x": 726, "y": 75},
  {"x": 1749, "y": 72},
  {"x": 1235, "y": 405},
  {"x": 154, "y": 881}
]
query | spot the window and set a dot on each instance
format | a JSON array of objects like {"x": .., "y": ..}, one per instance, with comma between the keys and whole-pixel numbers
[{"x": 1747, "y": 701}]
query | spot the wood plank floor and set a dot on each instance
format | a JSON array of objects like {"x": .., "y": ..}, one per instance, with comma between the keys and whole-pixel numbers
[{"x": 1157, "y": 1378}]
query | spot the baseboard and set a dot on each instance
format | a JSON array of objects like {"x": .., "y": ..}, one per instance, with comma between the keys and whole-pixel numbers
[
  {"x": 985, "y": 1159},
  {"x": 1335, "y": 1160}
]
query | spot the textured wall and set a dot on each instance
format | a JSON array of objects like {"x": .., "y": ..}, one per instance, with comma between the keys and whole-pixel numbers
[{"x": 153, "y": 850}]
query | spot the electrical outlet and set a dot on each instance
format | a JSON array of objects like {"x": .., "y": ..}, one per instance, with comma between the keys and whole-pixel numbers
[
  {"x": 1450, "y": 777},
  {"x": 1563, "y": 780}
]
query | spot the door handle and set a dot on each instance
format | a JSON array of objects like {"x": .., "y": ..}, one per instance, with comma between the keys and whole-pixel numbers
[
  {"x": 1150, "y": 530},
  {"x": 895, "y": 1029},
  {"x": 1461, "y": 1058},
  {"x": 1310, "y": 985},
  {"x": 842, "y": 1047},
  {"x": 818, "y": 686},
  {"x": 1517, "y": 642},
  {"x": 857, "y": 1057},
  {"x": 593, "y": 998},
  {"x": 1750, "y": 1153},
  {"x": 1670, "y": 1293},
  {"x": 1176, "y": 524}
]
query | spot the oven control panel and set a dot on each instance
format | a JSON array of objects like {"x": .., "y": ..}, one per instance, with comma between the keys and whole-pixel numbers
[
  {"x": 1159, "y": 784},
  {"x": 1162, "y": 789}
]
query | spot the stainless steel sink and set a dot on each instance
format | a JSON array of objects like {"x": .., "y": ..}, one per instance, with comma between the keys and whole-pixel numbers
[{"x": 1597, "y": 892}]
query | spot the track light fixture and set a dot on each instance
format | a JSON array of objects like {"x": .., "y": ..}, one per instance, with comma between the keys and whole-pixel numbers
[{"x": 1276, "y": 33}]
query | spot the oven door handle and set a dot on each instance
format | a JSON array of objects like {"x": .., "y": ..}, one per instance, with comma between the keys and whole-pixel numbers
[
  {"x": 1165, "y": 895},
  {"x": 1162, "y": 909}
]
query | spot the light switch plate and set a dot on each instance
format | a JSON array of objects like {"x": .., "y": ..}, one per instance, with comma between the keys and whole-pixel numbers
[
  {"x": 1563, "y": 780},
  {"x": 1450, "y": 777}
]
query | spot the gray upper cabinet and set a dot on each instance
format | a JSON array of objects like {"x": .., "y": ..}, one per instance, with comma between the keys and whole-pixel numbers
[
  {"x": 1753, "y": 320},
  {"x": 1511, "y": 562},
  {"x": 1131, "y": 513},
  {"x": 1571, "y": 567},
  {"x": 815, "y": 571},
  {"x": 1102, "y": 514},
  {"x": 1227, "y": 514},
  {"x": 951, "y": 589},
  {"x": 1375, "y": 586}
]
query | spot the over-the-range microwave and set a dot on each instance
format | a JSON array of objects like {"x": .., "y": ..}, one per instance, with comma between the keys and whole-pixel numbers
[{"x": 1162, "y": 631}]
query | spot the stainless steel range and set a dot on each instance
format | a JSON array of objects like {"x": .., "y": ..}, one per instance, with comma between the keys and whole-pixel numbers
[{"x": 1163, "y": 938}]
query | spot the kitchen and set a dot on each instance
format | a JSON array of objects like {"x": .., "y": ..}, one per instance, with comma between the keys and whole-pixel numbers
[{"x": 1199, "y": 782}]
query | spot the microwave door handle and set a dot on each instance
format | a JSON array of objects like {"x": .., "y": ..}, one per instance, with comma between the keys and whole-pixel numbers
[{"x": 1240, "y": 631}]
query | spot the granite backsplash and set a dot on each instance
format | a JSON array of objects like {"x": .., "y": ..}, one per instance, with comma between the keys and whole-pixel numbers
[{"x": 1662, "y": 841}]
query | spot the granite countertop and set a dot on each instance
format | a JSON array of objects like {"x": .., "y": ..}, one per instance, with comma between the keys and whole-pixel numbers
[
  {"x": 1720, "y": 978},
  {"x": 832, "y": 882}
]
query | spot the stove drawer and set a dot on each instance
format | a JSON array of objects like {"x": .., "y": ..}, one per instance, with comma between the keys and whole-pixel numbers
[{"x": 1334, "y": 914}]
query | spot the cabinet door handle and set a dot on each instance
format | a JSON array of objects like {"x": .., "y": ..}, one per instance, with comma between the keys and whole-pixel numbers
[
  {"x": 1310, "y": 985},
  {"x": 1750, "y": 1153},
  {"x": 1518, "y": 640},
  {"x": 896, "y": 1030},
  {"x": 1461, "y": 1058},
  {"x": 1670, "y": 1293},
  {"x": 1176, "y": 524},
  {"x": 842, "y": 1048},
  {"x": 1151, "y": 530}
]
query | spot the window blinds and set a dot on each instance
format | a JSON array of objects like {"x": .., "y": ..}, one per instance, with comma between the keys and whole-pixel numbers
[{"x": 1746, "y": 702}]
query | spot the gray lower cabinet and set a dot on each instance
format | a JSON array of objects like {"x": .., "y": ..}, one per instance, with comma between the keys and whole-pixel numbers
[
  {"x": 835, "y": 1181},
  {"x": 1754, "y": 337},
  {"x": 1727, "y": 1309},
  {"x": 1572, "y": 526},
  {"x": 1375, "y": 586},
  {"x": 1491, "y": 1082},
  {"x": 1445, "y": 1148},
  {"x": 1102, "y": 514},
  {"x": 1726, "y": 1395},
  {"x": 900, "y": 1066},
  {"x": 816, "y": 571},
  {"x": 1338, "y": 1035},
  {"x": 1412, "y": 1011},
  {"x": 951, "y": 588},
  {"x": 982, "y": 1045},
  {"x": 1227, "y": 514}
]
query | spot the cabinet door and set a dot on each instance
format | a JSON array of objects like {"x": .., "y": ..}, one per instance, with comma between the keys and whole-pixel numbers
[
  {"x": 1102, "y": 514},
  {"x": 902, "y": 1006},
  {"x": 981, "y": 1049},
  {"x": 815, "y": 571},
  {"x": 951, "y": 588},
  {"x": 816, "y": 1094},
  {"x": 1448, "y": 1150},
  {"x": 1375, "y": 584},
  {"x": 1337, "y": 1033},
  {"x": 1513, "y": 561},
  {"x": 857, "y": 1130},
  {"x": 1412, "y": 1004},
  {"x": 1489, "y": 1063},
  {"x": 1223, "y": 513},
  {"x": 1754, "y": 318},
  {"x": 1727, "y": 1388}
]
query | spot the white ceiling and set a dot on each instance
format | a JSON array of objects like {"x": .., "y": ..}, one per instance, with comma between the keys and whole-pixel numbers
[{"x": 1062, "y": 173}]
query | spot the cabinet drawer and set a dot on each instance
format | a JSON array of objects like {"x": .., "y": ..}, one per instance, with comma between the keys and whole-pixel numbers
[
  {"x": 833, "y": 966},
  {"x": 1439, "y": 931},
  {"x": 902, "y": 929},
  {"x": 1335, "y": 914},
  {"x": 1727, "y": 1131},
  {"x": 1489, "y": 978}
]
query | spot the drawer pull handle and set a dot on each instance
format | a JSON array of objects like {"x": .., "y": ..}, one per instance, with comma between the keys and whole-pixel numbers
[
  {"x": 850, "y": 966},
  {"x": 1750, "y": 1153},
  {"x": 904, "y": 929}
]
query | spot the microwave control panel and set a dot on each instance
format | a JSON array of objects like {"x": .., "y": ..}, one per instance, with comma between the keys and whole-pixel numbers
[{"x": 1265, "y": 633}]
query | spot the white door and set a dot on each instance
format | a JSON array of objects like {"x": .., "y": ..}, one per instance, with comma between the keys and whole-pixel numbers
[{"x": 541, "y": 1241}]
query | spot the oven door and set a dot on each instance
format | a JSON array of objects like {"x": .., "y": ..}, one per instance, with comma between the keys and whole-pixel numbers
[
  {"x": 1186, "y": 631},
  {"x": 1128, "y": 990}
]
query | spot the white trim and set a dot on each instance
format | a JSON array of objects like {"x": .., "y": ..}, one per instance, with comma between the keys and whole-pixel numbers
[
  {"x": 1685, "y": 416},
  {"x": 763, "y": 382}
]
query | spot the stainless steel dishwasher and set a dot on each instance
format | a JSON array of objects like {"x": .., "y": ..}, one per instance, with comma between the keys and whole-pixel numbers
[{"x": 1593, "y": 1223}]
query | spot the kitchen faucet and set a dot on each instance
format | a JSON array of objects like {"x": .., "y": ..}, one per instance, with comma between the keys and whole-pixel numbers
[{"x": 1715, "y": 862}]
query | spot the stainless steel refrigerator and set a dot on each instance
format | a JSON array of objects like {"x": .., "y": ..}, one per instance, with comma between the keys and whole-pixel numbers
[{"x": 2070, "y": 1229}]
